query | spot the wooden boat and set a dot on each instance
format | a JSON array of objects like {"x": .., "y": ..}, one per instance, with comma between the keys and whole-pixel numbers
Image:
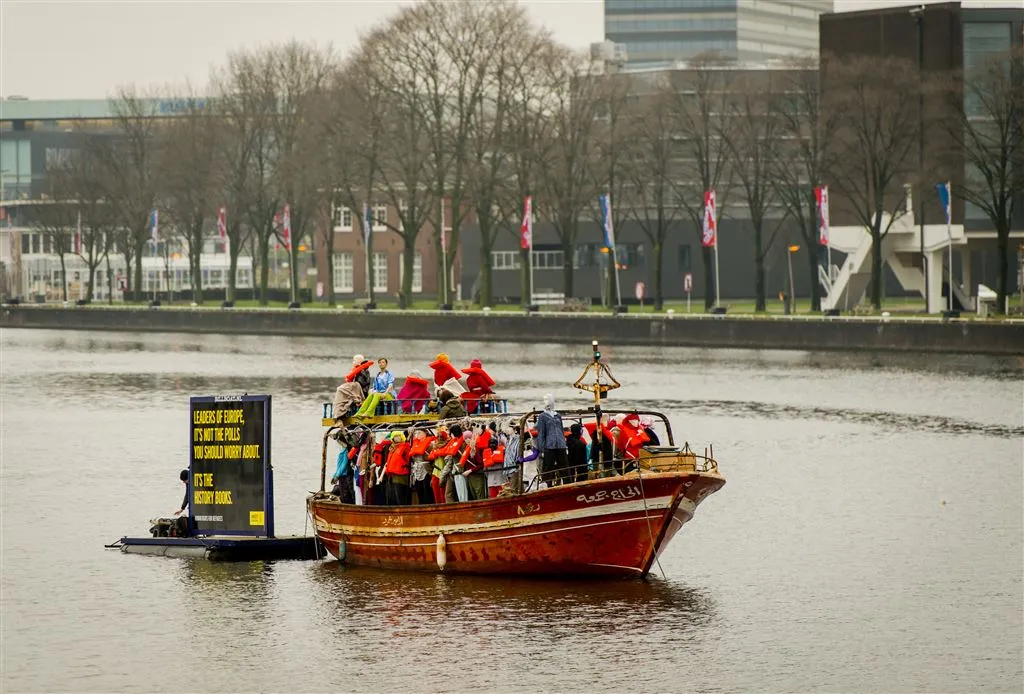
[{"x": 614, "y": 523}]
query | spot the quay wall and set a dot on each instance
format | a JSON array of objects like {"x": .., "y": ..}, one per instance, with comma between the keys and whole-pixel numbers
[{"x": 737, "y": 332}]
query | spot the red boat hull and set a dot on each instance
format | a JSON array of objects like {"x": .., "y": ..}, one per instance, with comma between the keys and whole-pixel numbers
[{"x": 606, "y": 527}]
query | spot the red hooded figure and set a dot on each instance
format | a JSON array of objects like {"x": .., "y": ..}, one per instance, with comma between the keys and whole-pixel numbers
[
  {"x": 631, "y": 436},
  {"x": 443, "y": 370},
  {"x": 478, "y": 382},
  {"x": 414, "y": 393}
]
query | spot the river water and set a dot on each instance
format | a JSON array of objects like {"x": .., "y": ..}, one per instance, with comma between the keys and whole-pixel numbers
[{"x": 869, "y": 537}]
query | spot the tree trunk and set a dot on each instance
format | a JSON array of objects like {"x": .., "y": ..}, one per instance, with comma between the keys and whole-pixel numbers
[
  {"x": 485, "y": 269},
  {"x": 408, "y": 258},
  {"x": 614, "y": 291},
  {"x": 110, "y": 281},
  {"x": 567, "y": 269},
  {"x": 759, "y": 281},
  {"x": 138, "y": 270},
  {"x": 232, "y": 270},
  {"x": 659, "y": 296},
  {"x": 1003, "y": 280},
  {"x": 264, "y": 245},
  {"x": 370, "y": 293},
  {"x": 329, "y": 258},
  {"x": 525, "y": 278},
  {"x": 196, "y": 271},
  {"x": 293, "y": 270},
  {"x": 876, "y": 262},
  {"x": 63, "y": 277},
  {"x": 812, "y": 265},
  {"x": 709, "y": 279}
]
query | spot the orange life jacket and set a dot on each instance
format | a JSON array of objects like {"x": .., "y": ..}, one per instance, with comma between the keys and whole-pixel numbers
[
  {"x": 631, "y": 437},
  {"x": 356, "y": 369},
  {"x": 494, "y": 458},
  {"x": 419, "y": 446},
  {"x": 398, "y": 459}
]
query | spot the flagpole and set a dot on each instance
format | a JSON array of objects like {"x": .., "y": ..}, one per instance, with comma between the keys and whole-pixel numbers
[
  {"x": 717, "y": 295},
  {"x": 444, "y": 255},
  {"x": 949, "y": 239}
]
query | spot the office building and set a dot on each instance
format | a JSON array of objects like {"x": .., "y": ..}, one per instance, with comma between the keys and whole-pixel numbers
[{"x": 658, "y": 33}]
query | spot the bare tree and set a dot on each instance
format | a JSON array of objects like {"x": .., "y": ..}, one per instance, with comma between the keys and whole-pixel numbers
[
  {"x": 875, "y": 99},
  {"x": 752, "y": 135},
  {"x": 491, "y": 191},
  {"x": 701, "y": 95},
  {"x": 405, "y": 165},
  {"x": 807, "y": 137},
  {"x": 128, "y": 167},
  {"x": 299, "y": 75},
  {"x": 188, "y": 178},
  {"x": 613, "y": 158},
  {"x": 569, "y": 89},
  {"x": 986, "y": 125},
  {"x": 528, "y": 129},
  {"x": 652, "y": 198},
  {"x": 83, "y": 193}
]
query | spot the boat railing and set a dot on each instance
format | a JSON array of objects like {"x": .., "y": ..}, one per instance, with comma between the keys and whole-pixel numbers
[
  {"x": 406, "y": 410},
  {"x": 652, "y": 459}
]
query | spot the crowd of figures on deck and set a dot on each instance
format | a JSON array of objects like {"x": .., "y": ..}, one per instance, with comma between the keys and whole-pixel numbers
[{"x": 458, "y": 458}]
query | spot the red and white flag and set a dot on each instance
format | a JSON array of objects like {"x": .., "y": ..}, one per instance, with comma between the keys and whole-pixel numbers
[
  {"x": 222, "y": 222},
  {"x": 526, "y": 226},
  {"x": 821, "y": 195},
  {"x": 709, "y": 237},
  {"x": 286, "y": 227},
  {"x": 78, "y": 235}
]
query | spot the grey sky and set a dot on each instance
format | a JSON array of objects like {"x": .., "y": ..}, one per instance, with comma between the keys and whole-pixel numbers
[{"x": 86, "y": 49}]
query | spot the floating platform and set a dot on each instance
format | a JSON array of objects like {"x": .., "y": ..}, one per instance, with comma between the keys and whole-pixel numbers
[{"x": 225, "y": 548}]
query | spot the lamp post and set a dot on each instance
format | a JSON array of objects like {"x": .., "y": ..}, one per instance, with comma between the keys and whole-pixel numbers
[
  {"x": 792, "y": 293},
  {"x": 918, "y": 14}
]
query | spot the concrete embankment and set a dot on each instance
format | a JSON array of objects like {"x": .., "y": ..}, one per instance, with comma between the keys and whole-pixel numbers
[{"x": 799, "y": 333}]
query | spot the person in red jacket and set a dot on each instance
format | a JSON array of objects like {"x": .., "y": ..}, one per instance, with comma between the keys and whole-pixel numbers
[
  {"x": 414, "y": 395},
  {"x": 478, "y": 383},
  {"x": 631, "y": 436},
  {"x": 397, "y": 470},
  {"x": 443, "y": 370}
]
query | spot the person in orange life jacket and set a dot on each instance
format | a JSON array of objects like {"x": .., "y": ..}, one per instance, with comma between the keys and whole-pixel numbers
[
  {"x": 473, "y": 469},
  {"x": 397, "y": 469},
  {"x": 421, "y": 467},
  {"x": 632, "y": 438},
  {"x": 494, "y": 461},
  {"x": 551, "y": 441},
  {"x": 443, "y": 370},
  {"x": 577, "y": 453},
  {"x": 478, "y": 384},
  {"x": 436, "y": 454},
  {"x": 414, "y": 395},
  {"x": 452, "y": 452}
]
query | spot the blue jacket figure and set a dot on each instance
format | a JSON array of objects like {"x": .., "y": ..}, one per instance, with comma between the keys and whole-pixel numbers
[{"x": 551, "y": 442}]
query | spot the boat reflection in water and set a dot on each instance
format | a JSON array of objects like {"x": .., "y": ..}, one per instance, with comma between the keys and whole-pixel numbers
[{"x": 613, "y": 520}]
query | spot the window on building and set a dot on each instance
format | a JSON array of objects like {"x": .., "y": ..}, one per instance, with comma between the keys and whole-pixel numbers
[
  {"x": 588, "y": 255},
  {"x": 684, "y": 257},
  {"x": 37, "y": 243},
  {"x": 343, "y": 281},
  {"x": 504, "y": 260},
  {"x": 341, "y": 217},
  {"x": 380, "y": 272},
  {"x": 243, "y": 277},
  {"x": 982, "y": 42},
  {"x": 629, "y": 255},
  {"x": 380, "y": 217},
  {"x": 417, "y": 271},
  {"x": 548, "y": 260}
]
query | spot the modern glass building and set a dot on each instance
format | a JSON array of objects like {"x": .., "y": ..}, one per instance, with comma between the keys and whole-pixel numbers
[{"x": 657, "y": 33}]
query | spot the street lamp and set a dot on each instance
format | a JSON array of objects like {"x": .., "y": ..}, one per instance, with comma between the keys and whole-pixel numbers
[{"x": 792, "y": 295}]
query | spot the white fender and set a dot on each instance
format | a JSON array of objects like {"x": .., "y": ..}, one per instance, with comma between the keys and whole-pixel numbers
[{"x": 442, "y": 552}]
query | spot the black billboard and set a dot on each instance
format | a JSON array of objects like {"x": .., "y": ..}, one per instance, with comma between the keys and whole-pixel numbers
[{"x": 231, "y": 480}]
